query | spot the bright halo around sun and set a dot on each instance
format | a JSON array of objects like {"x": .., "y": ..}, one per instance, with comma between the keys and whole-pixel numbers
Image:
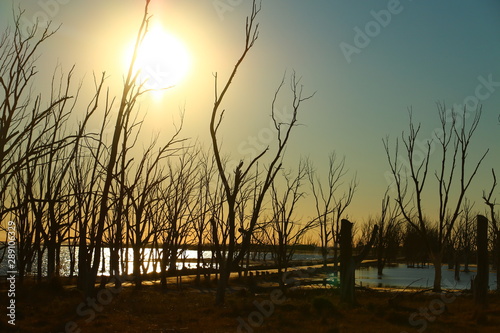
[{"x": 163, "y": 60}]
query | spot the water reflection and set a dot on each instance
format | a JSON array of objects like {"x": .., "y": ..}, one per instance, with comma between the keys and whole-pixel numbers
[
  {"x": 397, "y": 276},
  {"x": 400, "y": 276}
]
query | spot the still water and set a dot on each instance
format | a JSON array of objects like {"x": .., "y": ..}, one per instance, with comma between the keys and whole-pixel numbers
[
  {"x": 400, "y": 276},
  {"x": 397, "y": 276}
]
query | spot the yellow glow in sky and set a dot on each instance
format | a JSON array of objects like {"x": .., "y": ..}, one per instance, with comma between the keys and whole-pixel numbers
[{"x": 163, "y": 60}]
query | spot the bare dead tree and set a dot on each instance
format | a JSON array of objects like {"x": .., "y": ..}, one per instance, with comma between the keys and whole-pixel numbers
[
  {"x": 138, "y": 191},
  {"x": 23, "y": 118},
  {"x": 388, "y": 232},
  {"x": 462, "y": 240},
  {"x": 217, "y": 234},
  {"x": 178, "y": 199},
  {"x": 341, "y": 203},
  {"x": 204, "y": 204},
  {"x": 87, "y": 177},
  {"x": 118, "y": 224},
  {"x": 227, "y": 260},
  {"x": 130, "y": 94},
  {"x": 330, "y": 207},
  {"x": 410, "y": 178},
  {"x": 25, "y": 129},
  {"x": 37, "y": 146},
  {"x": 21, "y": 213},
  {"x": 58, "y": 161},
  {"x": 284, "y": 232}
]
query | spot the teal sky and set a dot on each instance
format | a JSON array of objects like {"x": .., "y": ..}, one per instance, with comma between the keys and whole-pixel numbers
[{"x": 426, "y": 52}]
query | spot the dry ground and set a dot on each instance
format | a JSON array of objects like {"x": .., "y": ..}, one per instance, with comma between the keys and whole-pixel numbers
[{"x": 50, "y": 308}]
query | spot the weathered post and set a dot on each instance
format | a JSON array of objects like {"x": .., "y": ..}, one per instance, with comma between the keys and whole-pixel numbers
[
  {"x": 481, "y": 281},
  {"x": 497, "y": 260},
  {"x": 348, "y": 263}
]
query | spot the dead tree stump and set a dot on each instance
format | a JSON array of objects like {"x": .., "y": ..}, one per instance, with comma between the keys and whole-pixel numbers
[
  {"x": 348, "y": 262},
  {"x": 480, "y": 289}
]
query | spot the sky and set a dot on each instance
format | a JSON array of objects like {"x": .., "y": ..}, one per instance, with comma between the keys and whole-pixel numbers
[{"x": 366, "y": 61}]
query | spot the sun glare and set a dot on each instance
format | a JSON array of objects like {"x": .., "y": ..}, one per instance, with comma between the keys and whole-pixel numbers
[{"x": 163, "y": 60}]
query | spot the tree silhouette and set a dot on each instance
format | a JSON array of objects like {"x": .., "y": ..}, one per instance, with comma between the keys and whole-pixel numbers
[
  {"x": 229, "y": 259},
  {"x": 410, "y": 179}
]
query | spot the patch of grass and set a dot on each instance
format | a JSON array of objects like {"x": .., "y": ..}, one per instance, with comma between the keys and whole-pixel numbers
[
  {"x": 305, "y": 310},
  {"x": 397, "y": 317},
  {"x": 335, "y": 329},
  {"x": 55, "y": 285},
  {"x": 288, "y": 307},
  {"x": 325, "y": 307}
]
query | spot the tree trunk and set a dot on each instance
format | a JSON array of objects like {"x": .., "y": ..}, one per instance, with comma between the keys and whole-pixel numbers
[
  {"x": 457, "y": 268},
  {"x": 222, "y": 283},
  {"x": 103, "y": 261},
  {"x": 39, "y": 263},
  {"x": 72, "y": 259},
  {"x": 199, "y": 263},
  {"x": 247, "y": 266},
  {"x": 324, "y": 253},
  {"x": 82, "y": 257},
  {"x": 347, "y": 280},
  {"x": 174, "y": 253},
  {"x": 51, "y": 259},
  {"x": 335, "y": 261},
  {"x": 324, "y": 246},
  {"x": 38, "y": 245},
  {"x": 114, "y": 264},
  {"x": 137, "y": 266},
  {"x": 281, "y": 275},
  {"x": 437, "y": 259},
  {"x": 481, "y": 281},
  {"x": 498, "y": 261},
  {"x": 348, "y": 263},
  {"x": 58, "y": 260},
  {"x": 466, "y": 260},
  {"x": 380, "y": 256},
  {"x": 163, "y": 266},
  {"x": 114, "y": 251}
]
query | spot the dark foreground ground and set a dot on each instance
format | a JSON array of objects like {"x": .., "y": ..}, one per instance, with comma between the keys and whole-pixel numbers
[{"x": 52, "y": 308}]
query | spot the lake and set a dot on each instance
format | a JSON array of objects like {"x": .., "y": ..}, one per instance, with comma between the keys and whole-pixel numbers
[
  {"x": 395, "y": 276},
  {"x": 399, "y": 276}
]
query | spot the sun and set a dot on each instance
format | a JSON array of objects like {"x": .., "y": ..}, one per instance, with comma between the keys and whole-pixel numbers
[{"x": 163, "y": 60}]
